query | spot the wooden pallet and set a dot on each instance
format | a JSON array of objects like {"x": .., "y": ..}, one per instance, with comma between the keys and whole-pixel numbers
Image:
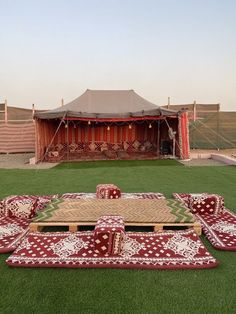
[{"x": 158, "y": 227}]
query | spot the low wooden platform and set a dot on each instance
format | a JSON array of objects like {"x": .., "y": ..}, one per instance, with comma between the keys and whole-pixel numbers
[{"x": 136, "y": 212}]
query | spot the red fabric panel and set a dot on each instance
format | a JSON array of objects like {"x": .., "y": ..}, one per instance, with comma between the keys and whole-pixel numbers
[{"x": 184, "y": 135}]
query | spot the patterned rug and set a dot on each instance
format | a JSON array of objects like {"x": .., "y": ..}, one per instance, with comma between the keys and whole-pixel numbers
[
  {"x": 148, "y": 195},
  {"x": 12, "y": 231},
  {"x": 220, "y": 229},
  {"x": 167, "y": 250}
]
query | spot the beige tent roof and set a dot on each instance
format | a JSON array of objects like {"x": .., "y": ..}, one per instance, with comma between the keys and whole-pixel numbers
[{"x": 107, "y": 104}]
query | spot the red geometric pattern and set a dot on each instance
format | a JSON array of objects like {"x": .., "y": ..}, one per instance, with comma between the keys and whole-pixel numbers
[
  {"x": 80, "y": 146},
  {"x": 128, "y": 146},
  {"x": 182, "y": 197},
  {"x": 98, "y": 146},
  {"x": 109, "y": 235},
  {"x": 206, "y": 203},
  {"x": 12, "y": 231},
  {"x": 202, "y": 203},
  {"x": 108, "y": 191},
  {"x": 77, "y": 196},
  {"x": 2, "y": 208},
  {"x": 23, "y": 206},
  {"x": 148, "y": 195},
  {"x": 220, "y": 229},
  {"x": 167, "y": 250},
  {"x": 44, "y": 200}
]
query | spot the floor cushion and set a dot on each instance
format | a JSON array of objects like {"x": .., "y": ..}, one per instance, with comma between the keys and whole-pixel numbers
[
  {"x": 108, "y": 191},
  {"x": 202, "y": 203},
  {"x": 109, "y": 235},
  {"x": 21, "y": 206},
  {"x": 219, "y": 226},
  {"x": 206, "y": 203}
]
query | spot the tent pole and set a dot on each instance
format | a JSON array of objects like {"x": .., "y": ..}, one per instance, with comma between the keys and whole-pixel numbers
[
  {"x": 50, "y": 144},
  {"x": 174, "y": 147},
  {"x": 158, "y": 138},
  {"x": 67, "y": 141},
  {"x": 6, "y": 117}
]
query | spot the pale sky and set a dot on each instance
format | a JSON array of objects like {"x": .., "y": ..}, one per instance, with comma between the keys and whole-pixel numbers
[{"x": 53, "y": 49}]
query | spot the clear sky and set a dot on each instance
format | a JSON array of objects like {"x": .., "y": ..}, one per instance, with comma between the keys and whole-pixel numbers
[{"x": 53, "y": 49}]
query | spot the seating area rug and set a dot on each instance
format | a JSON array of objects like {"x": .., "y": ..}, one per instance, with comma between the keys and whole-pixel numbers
[
  {"x": 133, "y": 210},
  {"x": 219, "y": 229},
  {"x": 167, "y": 250},
  {"x": 12, "y": 231},
  {"x": 148, "y": 195}
]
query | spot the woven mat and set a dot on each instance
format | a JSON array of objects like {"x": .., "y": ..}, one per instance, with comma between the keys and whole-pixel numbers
[
  {"x": 12, "y": 231},
  {"x": 220, "y": 229},
  {"x": 133, "y": 210},
  {"x": 168, "y": 250}
]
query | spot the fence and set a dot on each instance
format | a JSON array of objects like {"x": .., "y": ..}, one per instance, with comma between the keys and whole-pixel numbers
[
  {"x": 208, "y": 127},
  {"x": 17, "y": 138},
  {"x": 213, "y": 130}
]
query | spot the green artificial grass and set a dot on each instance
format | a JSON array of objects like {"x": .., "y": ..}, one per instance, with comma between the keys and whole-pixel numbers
[{"x": 25, "y": 290}]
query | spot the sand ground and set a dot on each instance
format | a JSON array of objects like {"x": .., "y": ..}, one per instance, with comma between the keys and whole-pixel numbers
[{"x": 21, "y": 161}]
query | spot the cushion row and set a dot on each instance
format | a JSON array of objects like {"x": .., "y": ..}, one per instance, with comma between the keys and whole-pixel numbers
[{"x": 129, "y": 146}]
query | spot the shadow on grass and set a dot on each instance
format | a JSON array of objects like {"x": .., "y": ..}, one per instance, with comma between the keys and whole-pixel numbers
[{"x": 117, "y": 163}]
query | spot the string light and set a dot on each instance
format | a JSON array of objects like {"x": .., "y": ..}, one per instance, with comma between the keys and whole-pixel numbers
[
  {"x": 89, "y": 122},
  {"x": 130, "y": 126},
  {"x": 66, "y": 125},
  {"x": 150, "y": 126},
  {"x": 108, "y": 128}
]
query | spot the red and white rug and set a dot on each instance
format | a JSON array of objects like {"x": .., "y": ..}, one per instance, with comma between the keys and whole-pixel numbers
[
  {"x": 12, "y": 231},
  {"x": 220, "y": 229},
  {"x": 167, "y": 250},
  {"x": 148, "y": 195}
]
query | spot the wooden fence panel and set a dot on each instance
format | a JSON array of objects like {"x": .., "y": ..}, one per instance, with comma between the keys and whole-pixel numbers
[{"x": 17, "y": 138}]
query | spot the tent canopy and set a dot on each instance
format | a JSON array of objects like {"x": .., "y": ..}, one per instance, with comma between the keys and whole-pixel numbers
[{"x": 107, "y": 104}]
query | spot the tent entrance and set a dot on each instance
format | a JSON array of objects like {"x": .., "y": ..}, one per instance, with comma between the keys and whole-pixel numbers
[
  {"x": 72, "y": 140},
  {"x": 80, "y": 140}
]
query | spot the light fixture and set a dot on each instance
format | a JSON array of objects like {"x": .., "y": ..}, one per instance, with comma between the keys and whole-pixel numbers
[
  {"x": 66, "y": 125},
  {"x": 89, "y": 122},
  {"x": 150, "y": 126},
  {"x": 108, "y": 128},
  {"x": 130, "y": 126}
]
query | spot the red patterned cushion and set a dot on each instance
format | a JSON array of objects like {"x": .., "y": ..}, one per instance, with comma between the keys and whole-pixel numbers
[
  {"x": 80, "y": 146},
  {"x": 109, "y": 235},
  {"x": 73, "y": 147},
  {"x": 108, "y": 191},
  {"x": 23, "y": 206},
  {"x": 128, "y": 146},
  {"x": 206, "y": 203},
  {"x": 2, "y": 208},
  {"x": 98, "y": 146}
]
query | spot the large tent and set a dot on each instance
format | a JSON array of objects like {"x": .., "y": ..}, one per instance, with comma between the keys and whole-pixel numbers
[{"x": 112, "y": 124}]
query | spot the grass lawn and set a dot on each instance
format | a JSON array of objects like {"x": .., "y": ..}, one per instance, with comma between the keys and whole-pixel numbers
[{"x": 112, "y": 290}]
